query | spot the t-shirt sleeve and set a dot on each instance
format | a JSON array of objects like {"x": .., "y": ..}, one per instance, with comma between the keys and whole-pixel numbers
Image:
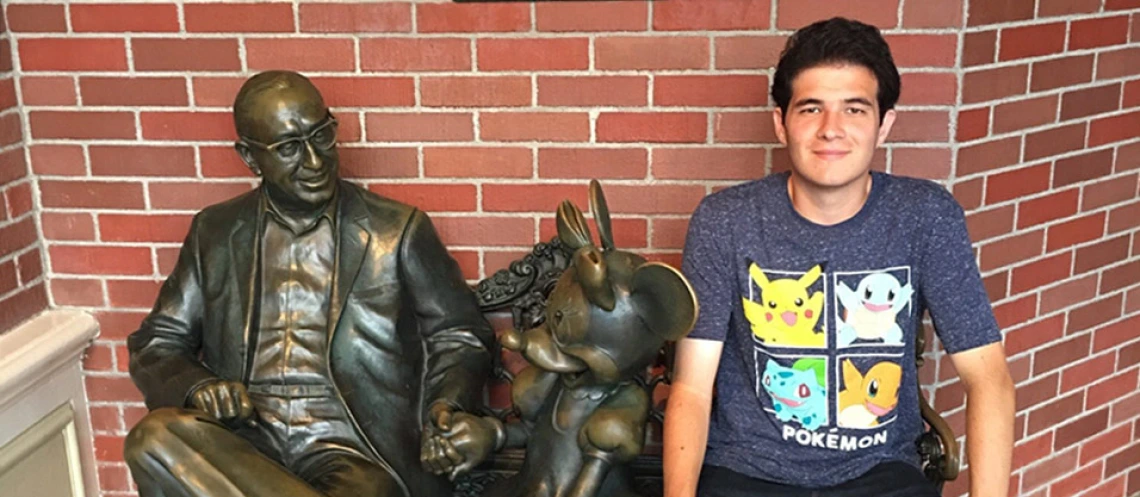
[
  {"x": 706, "y": 264},
  {"x": 951, "y": 285}
]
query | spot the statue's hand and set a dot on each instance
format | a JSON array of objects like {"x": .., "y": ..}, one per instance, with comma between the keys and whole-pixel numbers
[
  {"x": 467, "y": 441},
  {"x": 226, "y": 401}
]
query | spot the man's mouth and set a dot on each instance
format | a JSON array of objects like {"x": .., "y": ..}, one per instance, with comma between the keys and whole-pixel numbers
[{"x": 831, "y": 154}]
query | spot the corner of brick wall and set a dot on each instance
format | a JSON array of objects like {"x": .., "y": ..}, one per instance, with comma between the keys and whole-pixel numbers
[
  {"x": 22, "y": 289},
  {"x": 487, "y": 114}
]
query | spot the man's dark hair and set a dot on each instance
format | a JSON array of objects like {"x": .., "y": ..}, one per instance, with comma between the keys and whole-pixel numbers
[{"x": 837, "y": 41}]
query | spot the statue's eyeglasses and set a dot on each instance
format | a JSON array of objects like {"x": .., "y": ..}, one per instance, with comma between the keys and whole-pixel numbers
[{"x": 323, "y": 137}]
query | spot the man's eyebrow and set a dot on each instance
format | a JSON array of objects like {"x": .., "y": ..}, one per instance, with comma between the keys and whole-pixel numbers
[
  {"x": 859, "y": 100},
  {"x": 807, "y": 101}
]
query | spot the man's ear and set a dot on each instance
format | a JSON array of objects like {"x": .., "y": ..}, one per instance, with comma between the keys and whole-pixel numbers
[
  {"x": 247, "y": 157},
  {"x": 778, "y": 124},
  {"x": 885, "y": 127}
]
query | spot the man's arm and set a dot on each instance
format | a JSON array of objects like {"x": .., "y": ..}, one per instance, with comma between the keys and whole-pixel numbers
[
  {"x": 687, "y": 414},
  {"x": 989, "y": 417}
]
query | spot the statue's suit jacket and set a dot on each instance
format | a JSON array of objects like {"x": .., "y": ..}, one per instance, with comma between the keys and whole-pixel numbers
[{"x": 404, "y": 329}]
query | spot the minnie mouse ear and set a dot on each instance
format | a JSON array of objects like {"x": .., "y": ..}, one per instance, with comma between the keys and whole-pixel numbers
[
  {"x": 664, "y": 300},
  {"x": 601, "y": 215},
  {"x": 572, "y": 227}
]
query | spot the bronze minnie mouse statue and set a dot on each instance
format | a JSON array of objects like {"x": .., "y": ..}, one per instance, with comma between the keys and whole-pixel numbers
[{"x": 582, "y": 412}]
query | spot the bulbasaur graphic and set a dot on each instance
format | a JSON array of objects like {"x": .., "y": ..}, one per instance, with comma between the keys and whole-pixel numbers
[
  {"x": 787, "y": 314},
  {"x": 872, "y": 309},
  {"x": 798, "y": 392}
]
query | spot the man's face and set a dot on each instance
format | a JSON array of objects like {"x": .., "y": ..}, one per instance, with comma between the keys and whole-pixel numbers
[
  {"x": 291, "y": 142},
  {"x": 832, "y": 125}
]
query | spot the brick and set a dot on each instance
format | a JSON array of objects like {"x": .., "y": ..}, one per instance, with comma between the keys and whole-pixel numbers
[
  {"x": 1128, "y": 157},
  {"x": 1120, "y": 277},
  {"x": 20, "y": 199},
  {"x": 367, "y": 91},
  {"x": 73, "y": 259},
  {"x": 535, "y": 126},
  {"x": 1027, "y": 453},
  {"x": 99, "y": 357},
  {"x": 412, "y": 54},
  {"x": 990, "y": 223},
  {"x": 17, "y": 236},
  {"x": 1067, "y": 294},
  {"x": 187, "y": 126},
  {"x": 1111, "y": 389},
  {"x": 1055, "y": 412},
  {"x": 1094, "y": 313},
  {"x": 1031, "y": 336},
  {"x": 979, "y": 48},
  {"x": 659, "y": 127},
  {"x": 969, "y": 193},
  {"x": 419, "y": 126},
  {"x": 698, "y": 15},
  {"x": 1077, "y": 482},
  {"x": 996, "y": 286},
  {"x": 1102, "y": 32},
  {"x": 115, "y": 160},
  {"x": 7, "y": 93},
  {"x": 192, "y": 195},
  {"x": 116, "y": 325},
  {"x": 378, "y": 162},
  {"x": 538, "y": 54},
  {"x": 1101, "y": 254},
  {"x": 48, "y": 90},
  {"x": 1122, "y": 460},
  {"x": 8, "y": 277},
  {"x": 22, "y": 306},
  {"x": 11, "y": 132},
  {"x": 642, "y": 52},
  {"x": 356, "y": 17},
  {"x": 710, "y": 91},
  {"x": 139, "y": 294},
  {"x": 927, "y": 163},
  {"x": 744, "y": 127},
  {"x": 133, "y": 18},
  {"x": 1011, "y": 314},
  {"x": 1103, "y": 444},
  {"x": 1131, "y": 94},
  {"x": 12, "y": 166},
  {"x": 214, "y": 54},
  {"x": 167, "y": 258},
  {"x": 272, "y": 17},
  {"x": 1115, "y": 334},
  {"x": 223, "y": 162},
  {"x": 1088, "y": 371},
  {"x": 478, "y": 162},
  {"x": 950, "y": 397},
  {"x": 602, "y": 16},
  {"x": 88, "y": 54},
  {"x": 973, "y": 124},
  {"x": 880, "y": 13},
  {"x": 485, "y": 231},
  {"x": 91, "y": 194},
  {"x": 111, "y": 389},
  {"x": 930, "y": 14},
  {"x": 989, "y": 155},
  {"x": 748, "y": 52},
  {"x": 629, "y": 234},
  {"x": 1032, "y": 41},
  {"x": 5, "y": 53},
  {"x": 1040, "y": 273},
  {"x": 708, "y": 163},
  {"x": 993, "y": 84},
  {"x": 97, "y": 91},
  {"x": 592, "y": 162},
  {"x": 929, "y": 88},
  {"x": 1024, "y": 114},
  {"x": 654, "y": 199},
  {"x": 990, "y": 12},
  {"x": 921, "y": 126},
  {"x": 472, "y": 18},
  {"x": 1055, "y": 141},
  {"x": 219, "y": 92},
  {"x": 114, "y": 478},
  {"x": 590, "y": 91},
  {"x": 431, "y": 197},
  {"x": 36, "y": 18},
  {"x": 1050, "y": 8},
  {"x": 1084, "y": 167},
  {"x": 171, "y": 228},
  {"x": 1113, "y": 129},
  {"x": 1121, "y": 4},
  {"x": 1017, "y": 183},
  {"x": 922, "y": 50},
  {"x": 1114, "y": 64},
  {"x": 1080, "y": 230},
  {"x": 1089, "y": 101},
  {"x": 1061, "y": 354},
  {"x": 1011, "y": 250},
  {"x": 30, "y": 265},
  {"x": 1123, "y": 218},
  {"x": 67, "y": 226},
  {"x": 669, "y": 233},
  {"x": 480, "y": 91},
  {"x": 324, "y": 54},
  {"x": 1058, "y": 73}
]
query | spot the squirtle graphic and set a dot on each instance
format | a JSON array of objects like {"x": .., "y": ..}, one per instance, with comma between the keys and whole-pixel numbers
[{"x": 872, "y": 308}]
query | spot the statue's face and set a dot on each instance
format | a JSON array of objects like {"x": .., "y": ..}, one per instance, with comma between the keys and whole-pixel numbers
[{"x": 291, "y": 142}]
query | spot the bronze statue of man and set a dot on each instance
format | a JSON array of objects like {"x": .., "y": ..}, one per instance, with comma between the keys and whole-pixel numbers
[{"x": 311, "y": 337}]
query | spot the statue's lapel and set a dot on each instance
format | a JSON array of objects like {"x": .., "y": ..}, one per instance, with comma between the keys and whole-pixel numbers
[{"x": 352, "y": 222}]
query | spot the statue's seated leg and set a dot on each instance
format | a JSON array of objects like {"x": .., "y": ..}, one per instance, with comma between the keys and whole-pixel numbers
[
  {"x": 183, "y": 453},
  {"x": 344, "y": 473}
]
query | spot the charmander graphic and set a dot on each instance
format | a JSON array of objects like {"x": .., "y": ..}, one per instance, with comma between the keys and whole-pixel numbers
[
  {"x": 871, "y": 309},
  {"x": 786, "y": 314},
  {"x": 798, "y": 392},
  {"x": 866, "y": 399}
]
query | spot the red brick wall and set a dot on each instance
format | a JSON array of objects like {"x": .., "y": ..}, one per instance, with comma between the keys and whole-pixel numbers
[
  {"x": 22, "y": 292},
  {"x": 487, "y": 115}
]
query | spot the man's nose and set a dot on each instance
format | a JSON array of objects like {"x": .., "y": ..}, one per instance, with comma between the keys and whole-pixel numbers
[
  {"x": 830, "y": 126},
  {"x": 312, "y": 158}
]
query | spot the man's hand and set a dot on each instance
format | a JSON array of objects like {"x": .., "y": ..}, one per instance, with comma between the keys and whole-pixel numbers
[
  {"x": 465, "y": 443},
  {"x": 226, "y": 401}
]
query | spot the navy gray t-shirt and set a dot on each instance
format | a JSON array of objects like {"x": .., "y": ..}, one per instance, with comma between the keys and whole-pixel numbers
[{"x": 817, "y": 381}]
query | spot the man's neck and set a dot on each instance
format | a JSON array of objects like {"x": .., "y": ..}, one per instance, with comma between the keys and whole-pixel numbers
[
  {"x": 299, "y": 219},
  {"x": 828, "y": 206}
]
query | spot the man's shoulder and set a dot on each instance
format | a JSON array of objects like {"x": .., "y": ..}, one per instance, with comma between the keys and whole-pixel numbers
[
  {"x": 921, "y": 195},
  {"x": 732, "y": 199},
  {"x": 227, "y": 212}
]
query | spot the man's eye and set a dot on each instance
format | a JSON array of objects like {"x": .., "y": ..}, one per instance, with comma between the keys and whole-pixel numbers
[
  {"x": 856, "y": 110},
  {"x": 809, "y": 110},
  {"x": 324, "y": 137},
  {"x": 288, "y": 149}
]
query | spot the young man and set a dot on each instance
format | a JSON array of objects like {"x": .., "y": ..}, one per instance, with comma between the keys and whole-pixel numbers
[{"x": 812, "y": 284}]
